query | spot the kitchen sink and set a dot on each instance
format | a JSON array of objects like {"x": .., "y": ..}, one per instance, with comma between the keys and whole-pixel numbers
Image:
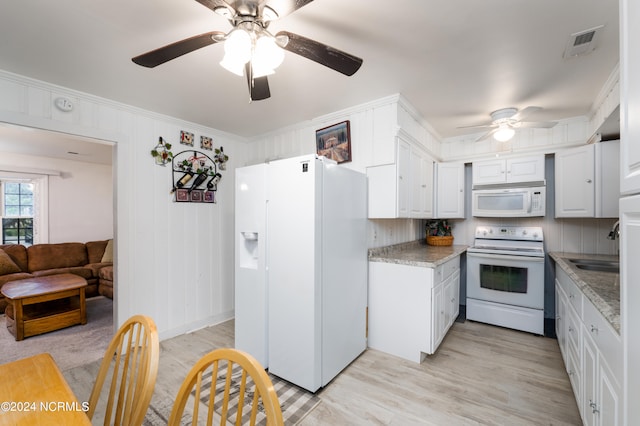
[{"x": 597, "y": 265}]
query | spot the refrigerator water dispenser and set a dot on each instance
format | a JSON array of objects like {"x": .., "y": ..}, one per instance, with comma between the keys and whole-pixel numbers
[{"x": 249, "y": 250}]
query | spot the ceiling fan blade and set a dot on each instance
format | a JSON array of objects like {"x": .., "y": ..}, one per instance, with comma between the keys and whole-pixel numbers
[
  {"x": 258, "y": 86},
  {"x": 283, "y": 7},
  {"x": 477, "y": 126},
  {"x": 321, "y": 53},
  {"x": 536, "y": 124},
  {"x": 214, "y": 4},
  {"x": 520, "y": 115},
  {"x": 487, "y": 135},
  {"x": 171, "y": 51}
]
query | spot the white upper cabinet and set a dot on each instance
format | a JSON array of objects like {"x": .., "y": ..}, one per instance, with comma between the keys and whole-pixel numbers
[
  {"x": 404, "y": 189},
  {"x": 422, "y": 168},
  {"x": 510, "y": 170},
  {"x": 450, "y": 190},
  {"x": 587, "y": 181}
]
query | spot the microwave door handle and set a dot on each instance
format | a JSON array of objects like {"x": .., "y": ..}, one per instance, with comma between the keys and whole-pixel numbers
[{"x": 529, "y": 201}]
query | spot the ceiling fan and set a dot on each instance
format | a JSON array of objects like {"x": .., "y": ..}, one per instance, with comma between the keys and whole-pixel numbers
[
  {"x": 249, "y": 48},
  {"x": 505, "y": 121}
]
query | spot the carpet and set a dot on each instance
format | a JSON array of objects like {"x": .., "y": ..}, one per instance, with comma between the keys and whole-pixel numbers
[
  {"x": 295, "y": 402},
  {"x": 82, "y": 343}
]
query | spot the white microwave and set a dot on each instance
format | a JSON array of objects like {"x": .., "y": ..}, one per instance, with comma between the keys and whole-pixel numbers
[{"x": 509, "y": 202}]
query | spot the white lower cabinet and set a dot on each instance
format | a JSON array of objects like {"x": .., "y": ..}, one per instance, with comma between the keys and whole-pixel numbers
[
  {"x": 592, "y": 353},
  {"x": 411, "y": 308}
]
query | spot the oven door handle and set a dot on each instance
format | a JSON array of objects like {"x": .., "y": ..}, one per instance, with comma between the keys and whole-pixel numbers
[{"x": 506, "y": 257}]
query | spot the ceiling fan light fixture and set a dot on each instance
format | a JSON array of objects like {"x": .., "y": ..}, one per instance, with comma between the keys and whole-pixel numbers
[
  {"x": 267, "y": 52},
  {"x": 237, "y": 51},
  {"x": 232, "y": 65},
  {"x": 504, "y": 133}
]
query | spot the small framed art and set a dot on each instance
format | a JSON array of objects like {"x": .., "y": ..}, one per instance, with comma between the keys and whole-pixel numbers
[
  {"x": 182, "y": 195},
  {"x": 334, "y": 142},
  {"x": 186, "y": 138},
  {"x": 206, "y": 143}
]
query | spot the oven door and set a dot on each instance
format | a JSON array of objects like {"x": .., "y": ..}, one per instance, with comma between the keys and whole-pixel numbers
[{"x": 508, "y": 279}]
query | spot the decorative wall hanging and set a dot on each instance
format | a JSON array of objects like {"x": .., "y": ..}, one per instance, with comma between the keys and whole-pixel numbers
[
  {"x": 186, "y": 138},
  {"x": 195, "y": 177},
  {"x": 206, "y": 143},
  {"x": 334, "y": 142},
  {"x": 161, "y": 152},
  {"x": 221, "y": 158}
]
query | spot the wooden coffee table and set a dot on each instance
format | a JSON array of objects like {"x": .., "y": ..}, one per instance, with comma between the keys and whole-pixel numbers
[{"x": 43, "y": 304}]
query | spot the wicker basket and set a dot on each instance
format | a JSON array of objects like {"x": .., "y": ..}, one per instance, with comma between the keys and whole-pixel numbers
[{"x": 434, "y": 240}]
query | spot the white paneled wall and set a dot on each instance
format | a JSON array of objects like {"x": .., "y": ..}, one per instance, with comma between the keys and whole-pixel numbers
[{"x": 174, "y": 261}]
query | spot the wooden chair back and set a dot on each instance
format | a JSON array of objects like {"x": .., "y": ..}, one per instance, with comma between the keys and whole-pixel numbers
[
  {"x": 237, "y": 389},
  {"x": 131, "y": 365}
]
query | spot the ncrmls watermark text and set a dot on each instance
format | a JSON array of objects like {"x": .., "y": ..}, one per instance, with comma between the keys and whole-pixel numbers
[{"x": 44, "y": 406}]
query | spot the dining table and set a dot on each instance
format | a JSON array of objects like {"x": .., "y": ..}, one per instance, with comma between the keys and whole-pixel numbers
[{"x": 34, "y": 392}]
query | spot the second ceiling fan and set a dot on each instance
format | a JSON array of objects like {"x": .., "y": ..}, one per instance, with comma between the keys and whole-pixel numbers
[
  {"x": 505, "y": 121},
  {"x": 250, "y": 48}
]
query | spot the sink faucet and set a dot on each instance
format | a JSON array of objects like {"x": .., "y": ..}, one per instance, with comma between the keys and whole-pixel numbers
[{"x": 615, "y": 231}]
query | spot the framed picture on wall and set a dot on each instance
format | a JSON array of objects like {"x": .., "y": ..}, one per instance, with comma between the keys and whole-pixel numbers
[
  {"x": 182, "y": 195},
  {"x": 334, "y": 142}
]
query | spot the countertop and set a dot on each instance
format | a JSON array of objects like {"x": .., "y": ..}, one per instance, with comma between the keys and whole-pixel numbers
[
  {"x": 601, "y": 288},
  {"x": 416, "y": 253}
]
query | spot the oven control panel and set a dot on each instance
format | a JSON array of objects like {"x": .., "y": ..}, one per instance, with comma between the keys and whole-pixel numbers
[{"x": 532, "y": 233}]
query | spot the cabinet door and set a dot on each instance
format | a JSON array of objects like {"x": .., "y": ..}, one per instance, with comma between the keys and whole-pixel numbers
[
  {"x": 561, "y": 314},
  {"x": 630, "y": 103},
  {"x": 575, "y": 188},
  {"x": 525, "y": 169},
  {"x": 609, "y": 402},
  {"x": 451, "y": 300},
  {"x": 437, "y": 315},
  {"x": 589, "y": 399},
  {"x": 421, "y": 183},
  {"x": 489, "y": 172},
  {"x": 403, "y": 164},
  {"x": 450, "y": 191},
  {"x": 629, "y": 255}
]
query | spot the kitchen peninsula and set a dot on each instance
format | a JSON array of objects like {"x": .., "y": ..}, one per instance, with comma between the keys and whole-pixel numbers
[{"x": 414, "y": 292}]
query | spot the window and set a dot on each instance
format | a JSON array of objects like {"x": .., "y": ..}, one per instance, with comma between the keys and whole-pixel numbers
[{"x": 17, "y": 212}]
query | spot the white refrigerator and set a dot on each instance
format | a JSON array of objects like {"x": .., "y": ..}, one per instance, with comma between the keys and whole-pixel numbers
[{"x": 301, "y": 267}]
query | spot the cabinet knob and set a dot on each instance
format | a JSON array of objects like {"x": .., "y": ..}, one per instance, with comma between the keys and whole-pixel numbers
[
  {"x": 570, "y": 329},
  {"x": 594, "y": 329},
  {"x": 589, "y": 181},
  {"x": 424, "y": 186}
]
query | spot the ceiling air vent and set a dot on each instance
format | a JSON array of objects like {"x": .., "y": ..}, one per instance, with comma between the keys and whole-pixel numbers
[{"x": 582, "y": 42}]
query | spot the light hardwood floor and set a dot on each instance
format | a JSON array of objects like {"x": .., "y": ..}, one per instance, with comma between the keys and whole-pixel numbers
[{"x": 481, "y": 374}]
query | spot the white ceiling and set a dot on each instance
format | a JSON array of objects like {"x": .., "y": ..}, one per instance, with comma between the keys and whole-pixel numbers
[{"x": 455, "y": 61}]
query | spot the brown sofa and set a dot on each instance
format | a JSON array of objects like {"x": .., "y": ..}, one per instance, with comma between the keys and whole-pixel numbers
[{"x": 83, "y": 259}]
